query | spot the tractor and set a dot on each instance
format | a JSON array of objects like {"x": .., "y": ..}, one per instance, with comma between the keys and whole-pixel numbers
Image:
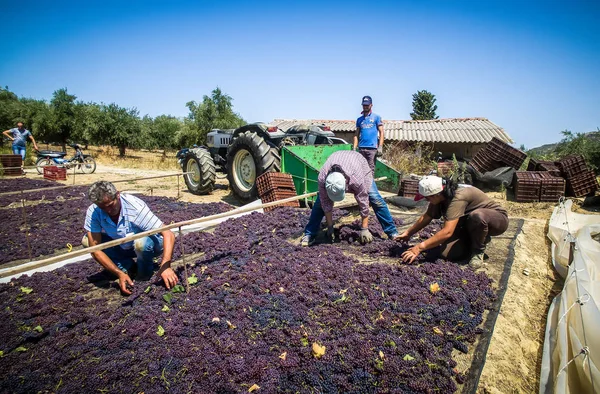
[{"x": 244, "y": 154}]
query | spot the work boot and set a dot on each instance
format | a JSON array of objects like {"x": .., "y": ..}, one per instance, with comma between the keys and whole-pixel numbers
[
  {"x": 307, "y": 240},
  {"x": 477, "y": 259}
]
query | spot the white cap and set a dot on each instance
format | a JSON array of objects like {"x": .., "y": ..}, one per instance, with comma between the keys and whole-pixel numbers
[
  {"x": 428, "y": 186},
  {"x": 335, "y": 184}
]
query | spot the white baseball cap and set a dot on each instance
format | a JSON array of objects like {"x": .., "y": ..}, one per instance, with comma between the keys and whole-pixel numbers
[
  {"x": 335, "y": 184},
  {"x": 428, "y": 186}
]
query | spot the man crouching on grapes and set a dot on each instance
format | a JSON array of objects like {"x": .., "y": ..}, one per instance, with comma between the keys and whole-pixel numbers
[
  {"x": 471, "y": 218},
  {"x": 114, "y": 216},
  {"x": 347, "y": 170}
]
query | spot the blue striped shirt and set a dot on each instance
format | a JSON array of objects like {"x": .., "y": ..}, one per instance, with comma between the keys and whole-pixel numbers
[{"x": 135, "y": 217}]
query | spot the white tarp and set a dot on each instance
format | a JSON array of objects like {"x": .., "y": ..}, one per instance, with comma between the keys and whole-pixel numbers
[{"x": 571, "y": 355}]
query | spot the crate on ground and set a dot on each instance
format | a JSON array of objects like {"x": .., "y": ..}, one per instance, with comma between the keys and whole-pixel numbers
[
  {"x": 409, "y": 188},
  {"x": 506, "y": 154},
  {"x": 527, "y": 186},
  {"x": 552, "y": 187},
  {"x": 272, "y": 180},
  {"x": 279, "y": 194},
  {"x": 445, "y": 168},
  {"x": 55, "y": 173},
  {"x": 573, "y": 166},
  {"x": 582, "y": 185},
  {"x": 11, "y": 164},
  {"x": 484, "y": 162}
]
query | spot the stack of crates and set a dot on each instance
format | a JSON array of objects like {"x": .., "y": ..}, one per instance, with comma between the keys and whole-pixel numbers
[
  {"x": 274, "y": 186},
  {"x": 497, "y": 154},
  {"x": 55, "y": 173},
  {"x": 581, "y": 180},
  {"x": 409, "y": 188},
  {"x": 11, "y": 164},
  {"x": 532, "y": 186},
  {"x": 445, "y": 168}
]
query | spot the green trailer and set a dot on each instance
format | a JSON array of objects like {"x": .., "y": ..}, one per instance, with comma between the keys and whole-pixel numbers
[{"x": 304, "y": 163}]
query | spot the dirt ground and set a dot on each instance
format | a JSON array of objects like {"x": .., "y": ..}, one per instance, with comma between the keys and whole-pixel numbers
[{"x": 515, "y": 352}]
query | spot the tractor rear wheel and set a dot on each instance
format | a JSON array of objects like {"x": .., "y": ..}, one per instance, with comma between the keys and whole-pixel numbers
[
  {"x": 201, "y": 168},
  {"x": 248, "y": 157}
]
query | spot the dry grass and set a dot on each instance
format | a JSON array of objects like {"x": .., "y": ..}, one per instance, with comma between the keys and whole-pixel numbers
[
  {"x": 134, "y": 158},
  {"x": 410, "y": 158}
]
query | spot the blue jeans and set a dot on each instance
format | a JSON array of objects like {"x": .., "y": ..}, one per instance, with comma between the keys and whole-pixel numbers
[
  {"x": 19, "y": 150},
  {"x": 382, "y": 212},
  {"x": 144, "y": 250}
]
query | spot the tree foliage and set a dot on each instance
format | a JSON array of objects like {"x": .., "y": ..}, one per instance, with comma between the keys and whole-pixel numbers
[
  {"x": 64, "y": 119},
  {"x": 586, "y": 144},
  {"x": 424, "y": 106},
  {"x": 215, "y": 112}
]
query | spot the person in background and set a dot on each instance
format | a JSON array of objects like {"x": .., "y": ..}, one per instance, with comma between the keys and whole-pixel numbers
[
  {"x": 114, "y": 216},
  {"x": 347, "y": 170},
  {"x": 19, "y": 136},
  {"x": 470, "y": 219},
  {"x": 368, "y": 137}
]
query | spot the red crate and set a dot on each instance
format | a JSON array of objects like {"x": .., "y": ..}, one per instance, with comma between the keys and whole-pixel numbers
[
  {"x": 12, "y": 164},
  {"x": 445, "y": 168},
  {"x": 483, "y": 161},
  {"x": 276, "y": 195},
  {"x": 573, "y": 166},
  {"x": 54, "y": 173},
  {"x": 527, "y": 186},
  {"x": 272, "y": 180},
  {"x": 582, "y": 185},
  {"x": 552, "y": 187},
  {"x": 504, "y": 153},
  {"x": 409, "y": 188}
]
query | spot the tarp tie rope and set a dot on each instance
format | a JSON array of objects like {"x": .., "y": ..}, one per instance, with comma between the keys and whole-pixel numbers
[
  {"x": 585, "y": 351},
  {"x": 581, "y": 301}
]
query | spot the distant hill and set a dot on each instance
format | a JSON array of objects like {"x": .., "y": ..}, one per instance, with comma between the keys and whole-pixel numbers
[{"x": 549, "y": 148}]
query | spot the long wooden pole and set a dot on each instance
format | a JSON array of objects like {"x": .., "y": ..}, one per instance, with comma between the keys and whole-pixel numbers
[{"x": 117, "y": 242}]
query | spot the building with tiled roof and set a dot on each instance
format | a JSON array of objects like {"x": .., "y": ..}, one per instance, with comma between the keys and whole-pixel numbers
[{"x": 460, "y": 136}]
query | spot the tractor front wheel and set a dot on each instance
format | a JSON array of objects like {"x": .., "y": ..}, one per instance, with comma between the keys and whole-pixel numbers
[{"x": 200, "y": 168}]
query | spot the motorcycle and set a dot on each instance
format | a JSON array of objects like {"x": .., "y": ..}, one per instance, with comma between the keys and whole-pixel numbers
[{"x": 79, "y": 161}]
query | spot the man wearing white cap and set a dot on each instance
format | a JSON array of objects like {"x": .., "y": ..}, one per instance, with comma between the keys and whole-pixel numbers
[
  {"x": 347, "y": 170},
  {"x": 471, "y": 218}
]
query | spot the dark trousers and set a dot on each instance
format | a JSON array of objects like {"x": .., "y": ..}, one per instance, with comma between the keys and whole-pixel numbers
[
  {"x": 472, "y": 233},
  {"x": 370, "y": 154}
]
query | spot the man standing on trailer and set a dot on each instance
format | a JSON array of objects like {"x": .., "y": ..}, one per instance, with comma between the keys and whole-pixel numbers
[
  {"x": 114, "y": 216},
  {"x": 368, "y": 137},
  {"x": 19, "y": 136}
]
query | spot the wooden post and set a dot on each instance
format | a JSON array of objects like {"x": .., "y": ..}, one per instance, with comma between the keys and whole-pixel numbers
[
  {"x": 178, "y": 195},
  {"x": 74, "y": 167},
  {"x": 25, "y": 225},
  {"x": 187, "y": 285}
]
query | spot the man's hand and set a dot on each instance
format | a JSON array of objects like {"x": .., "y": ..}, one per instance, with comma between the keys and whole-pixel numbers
[
  {"x": 330, "y": 234},
  {"x": 402, "y": 237},
  {"x": 411, "y": 254},
  {"x": 124, "y": 281},
  {"x": 379, "y": 151},
  {"x": 168, "y": 276},
  {"x": 365, "y": 236}
]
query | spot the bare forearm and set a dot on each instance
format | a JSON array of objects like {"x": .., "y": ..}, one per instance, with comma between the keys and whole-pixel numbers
[
  {"x": 355, "y": 142},
  {"x": 381, "y": 136},
  {"x": 106, "y": 262},
  {"x": 365, "y": 222},
  {"x": 329, "y": 218},
  {"x": 168, "y": 244},
  {"x": 7, "y": 134}
]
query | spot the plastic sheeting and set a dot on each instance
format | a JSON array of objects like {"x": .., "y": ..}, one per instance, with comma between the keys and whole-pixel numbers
[{"x": 571, "y": 355}]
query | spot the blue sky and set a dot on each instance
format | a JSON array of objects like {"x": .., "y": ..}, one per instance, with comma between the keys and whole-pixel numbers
[{"x": 529, "y": 66}]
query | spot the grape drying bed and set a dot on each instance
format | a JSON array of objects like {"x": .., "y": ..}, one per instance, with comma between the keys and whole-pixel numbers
[{"x": 263, "y": 312}]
